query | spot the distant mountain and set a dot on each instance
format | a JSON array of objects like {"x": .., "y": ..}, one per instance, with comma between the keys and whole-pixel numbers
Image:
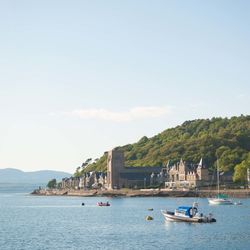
[{"x": 12, "y": 175}]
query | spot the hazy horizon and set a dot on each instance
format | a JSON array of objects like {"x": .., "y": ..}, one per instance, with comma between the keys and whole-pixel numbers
[
  {"x": 81, "y": 77},
  {"x": 38, "y": 170}
]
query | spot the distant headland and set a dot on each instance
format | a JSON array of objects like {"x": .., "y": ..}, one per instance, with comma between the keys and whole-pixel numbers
[{"x": 12, "y": 176}]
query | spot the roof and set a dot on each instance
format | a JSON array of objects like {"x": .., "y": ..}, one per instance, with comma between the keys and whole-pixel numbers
[
  {"x": 135, "y": 176},
  {"x": 142, "y": 169}
]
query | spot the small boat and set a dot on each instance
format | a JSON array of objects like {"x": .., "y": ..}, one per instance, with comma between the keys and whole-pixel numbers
[
  {"x": 187, "y": 214},
  {"x": 103, "y": 204},
  {"x": 238, "y": 203},
  {"x": 150, "y": 209},
  {"x": 220, "y": 199}
]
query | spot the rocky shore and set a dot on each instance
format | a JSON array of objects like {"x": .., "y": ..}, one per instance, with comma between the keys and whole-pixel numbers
[{"x": 235, "y": 193}]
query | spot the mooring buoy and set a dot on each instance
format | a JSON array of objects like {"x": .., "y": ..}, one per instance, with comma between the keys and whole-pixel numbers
[{"x": 149, "y": 217}]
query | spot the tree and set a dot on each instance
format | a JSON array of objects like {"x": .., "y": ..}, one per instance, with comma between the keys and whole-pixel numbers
[
  {"x": 59, "y": 185},
  {"x": 88, "y": 161},
  {"x": 52, "y": 184},
  {"x": 240, "y": 171},
  {"x": 84, "y": 164}
]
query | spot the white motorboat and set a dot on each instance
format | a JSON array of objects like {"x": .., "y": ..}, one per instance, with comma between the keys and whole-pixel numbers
[{"x": 187, "y": 214}]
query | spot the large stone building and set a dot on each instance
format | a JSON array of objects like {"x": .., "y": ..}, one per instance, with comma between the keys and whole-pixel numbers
[
  {"x": 119, "y": 176},
  {"x": 179, "y": 175},
  {"x": 188, "y": 175},
  {"x": 115, "y": 165}
]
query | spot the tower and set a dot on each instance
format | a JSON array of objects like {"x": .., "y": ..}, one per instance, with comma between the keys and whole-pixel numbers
[
  {"x": 202, "y": 172},
  {"x": 182, "y": 171},
  {"x": 115, "y": 164}
]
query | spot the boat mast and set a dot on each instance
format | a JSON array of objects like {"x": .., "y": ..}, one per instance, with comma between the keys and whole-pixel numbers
[
  {"x": 218, "y": 178},
  {"x": 248, "y": 177}
]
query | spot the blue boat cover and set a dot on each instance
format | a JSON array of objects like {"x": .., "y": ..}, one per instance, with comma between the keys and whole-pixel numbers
[
  {"x": 185, "y": 210},
  {"x": 222, "y": 196}
]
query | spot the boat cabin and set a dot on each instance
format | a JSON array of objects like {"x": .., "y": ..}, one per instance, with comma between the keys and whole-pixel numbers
[{"x": 186, "y": 211}]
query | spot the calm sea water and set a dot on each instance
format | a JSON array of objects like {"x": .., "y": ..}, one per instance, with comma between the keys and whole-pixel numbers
[{"x": 33, "y": 222}]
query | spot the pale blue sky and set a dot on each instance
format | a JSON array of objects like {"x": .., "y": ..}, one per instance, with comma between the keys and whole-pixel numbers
[{"x": 78, "y": 78}]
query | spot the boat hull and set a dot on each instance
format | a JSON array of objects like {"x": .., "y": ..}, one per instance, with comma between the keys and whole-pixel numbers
[{"x": 215, "y": 201}]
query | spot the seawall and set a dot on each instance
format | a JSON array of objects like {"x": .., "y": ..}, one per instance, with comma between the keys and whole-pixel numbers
[{"x": 234, "y": 193}]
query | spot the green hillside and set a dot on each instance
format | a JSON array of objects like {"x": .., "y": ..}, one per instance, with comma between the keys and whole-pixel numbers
[{"x": 222, "y": 138}]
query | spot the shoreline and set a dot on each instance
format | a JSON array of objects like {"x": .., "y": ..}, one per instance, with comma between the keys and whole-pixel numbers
[{"x": 233, "y": 193}]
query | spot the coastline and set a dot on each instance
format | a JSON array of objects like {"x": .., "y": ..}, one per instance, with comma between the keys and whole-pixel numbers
[{"x": 234, "y": 193}]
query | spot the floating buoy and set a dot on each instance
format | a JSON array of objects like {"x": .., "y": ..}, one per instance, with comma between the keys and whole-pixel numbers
[
  {"x": 150, "y": 209},
  {"x": 149, "y": 218},
  {"x": 83, "y": 204}
]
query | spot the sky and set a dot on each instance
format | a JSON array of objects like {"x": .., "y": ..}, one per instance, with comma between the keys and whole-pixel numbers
[{"x": 78, "y": 77}]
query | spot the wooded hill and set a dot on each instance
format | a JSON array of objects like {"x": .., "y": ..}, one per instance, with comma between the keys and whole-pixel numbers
[{"x": 218, "y": 138}]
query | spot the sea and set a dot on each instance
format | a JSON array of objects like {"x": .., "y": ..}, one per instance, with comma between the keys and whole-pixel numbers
[{"x": 61, "y": 222}]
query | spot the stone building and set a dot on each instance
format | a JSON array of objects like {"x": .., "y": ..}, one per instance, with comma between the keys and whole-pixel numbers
[
  {"x": 187, "y": 175},
  {"x": 115, "y": 165},
  {"x": 70, "y": 183},
  {"x": 179, "y": 175},
  {"x": 119, "y": 176},
  {"x": 88, "y": 180}
]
